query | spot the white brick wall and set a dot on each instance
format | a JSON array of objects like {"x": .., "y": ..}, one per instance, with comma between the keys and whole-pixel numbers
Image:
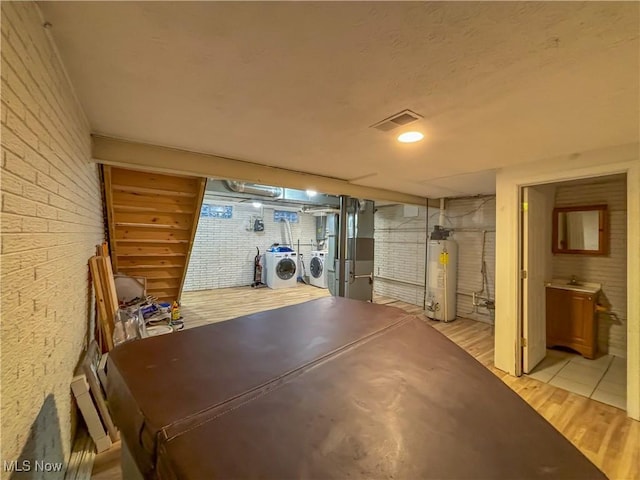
[
  {"x": 610, "y": 270},
  {"x": 399, "y": 259},
  {"x": 51, "y": 221},
  {"x": 400, "y": 250},
  {"x": 470, "y": 216},
  {"x": 224, "y": 251}
]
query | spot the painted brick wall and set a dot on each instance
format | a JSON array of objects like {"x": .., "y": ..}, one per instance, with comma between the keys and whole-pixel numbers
[
  {"x": 400, "y": 251},
  {"x": 223, "y": 250},
  {"x": 610, "y": 270},
  {"x": 470, "y": 217},
  {"x": 399, "y": 260},
  {"x": 51, "y": 221}
]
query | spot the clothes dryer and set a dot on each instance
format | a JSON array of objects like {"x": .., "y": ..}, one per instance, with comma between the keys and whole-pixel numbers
[{"x": 317, "y": 270}]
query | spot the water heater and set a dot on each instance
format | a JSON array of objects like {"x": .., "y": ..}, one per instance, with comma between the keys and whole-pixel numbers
[{"x": 442, "y": 263}]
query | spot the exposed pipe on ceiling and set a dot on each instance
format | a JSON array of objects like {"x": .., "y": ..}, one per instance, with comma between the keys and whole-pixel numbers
[
  {"x": 319, "y": 210},
  {"x": 262, "y": 190}
]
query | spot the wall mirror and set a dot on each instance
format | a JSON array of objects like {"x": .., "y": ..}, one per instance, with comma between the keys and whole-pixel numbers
[{"x": 582, "y": 230}]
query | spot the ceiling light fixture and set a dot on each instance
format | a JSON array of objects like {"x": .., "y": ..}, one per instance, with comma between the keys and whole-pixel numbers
[
  {"x": 311, "y": 193},
  {"x": 256, "y": 204},
  {"x": 410, "y": 137}
]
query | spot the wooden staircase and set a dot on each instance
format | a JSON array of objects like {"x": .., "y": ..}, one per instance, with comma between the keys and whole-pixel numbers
[{"x": 152, "y": 220}]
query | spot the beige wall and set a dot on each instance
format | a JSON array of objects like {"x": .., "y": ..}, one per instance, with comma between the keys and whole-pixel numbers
[
  {"x": 609, "y": 270},
  {"x": 51, "y": 221},
  {"x": 619, "y": 159}
]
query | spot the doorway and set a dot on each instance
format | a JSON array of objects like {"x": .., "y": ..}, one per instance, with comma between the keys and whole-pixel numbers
[{"x": 572, "y": 300}]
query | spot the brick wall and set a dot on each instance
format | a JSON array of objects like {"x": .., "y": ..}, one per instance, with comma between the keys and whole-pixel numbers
[
  {"x": 399, "y": 260},
  {"x": 400, "y": 251},
  {"x": 469, "y": 217},
  {"x": 51, "y": 221},
  {"x": 224, "y": 251},
  {"x": 610, "y": 270}
]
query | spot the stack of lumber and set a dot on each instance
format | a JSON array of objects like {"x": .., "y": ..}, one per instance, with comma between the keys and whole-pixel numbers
[
  {"x": 88, "y": 392},
  {"x": 106, "y": 296}
]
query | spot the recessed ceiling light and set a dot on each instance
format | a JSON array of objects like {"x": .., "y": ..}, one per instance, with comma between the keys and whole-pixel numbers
[
  {"x": 410, "y": 137},
  {"x": 311, "y": 193},
  {"x": 256, "y": 204}
]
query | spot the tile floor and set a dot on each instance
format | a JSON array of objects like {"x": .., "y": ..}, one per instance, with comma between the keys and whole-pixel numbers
[{"x": 603, "y": 379}]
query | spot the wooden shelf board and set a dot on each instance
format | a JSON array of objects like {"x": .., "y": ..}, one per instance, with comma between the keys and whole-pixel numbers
[
  {"x": 147, "y": 240},
  {"x": 162, "y": 289},
  {"x": 153, "y": 191},
  {"x": 135, "y": 208},
  {"x": 135, "y": 267},
  {"x": 127, "y": 255},
  {"x": 150, "y": 225}
]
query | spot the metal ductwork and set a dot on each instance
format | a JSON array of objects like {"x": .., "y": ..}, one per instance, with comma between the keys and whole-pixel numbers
[{"x": 262, "y": 190}]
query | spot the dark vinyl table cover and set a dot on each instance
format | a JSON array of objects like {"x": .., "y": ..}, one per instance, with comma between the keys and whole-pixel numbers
[{"x": 331, "y": 388}]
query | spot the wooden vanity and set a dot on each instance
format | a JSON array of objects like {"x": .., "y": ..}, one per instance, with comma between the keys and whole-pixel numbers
[{"x": 571, "y": 318}]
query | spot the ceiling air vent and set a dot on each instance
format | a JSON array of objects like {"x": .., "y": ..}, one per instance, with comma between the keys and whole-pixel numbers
[{"x": 399, "y": 119}]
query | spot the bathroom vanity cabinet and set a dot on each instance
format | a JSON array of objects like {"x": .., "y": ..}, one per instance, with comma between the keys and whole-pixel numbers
[{"x": 572, "y": 320}]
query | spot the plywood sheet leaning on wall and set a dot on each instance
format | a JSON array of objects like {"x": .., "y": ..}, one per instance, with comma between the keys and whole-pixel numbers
[
  {"x": 152, "y": 220},
  {"x": 106, "y": 302}
]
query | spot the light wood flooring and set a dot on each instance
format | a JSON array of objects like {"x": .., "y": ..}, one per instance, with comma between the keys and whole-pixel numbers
[
  {"x": 603, "y": 433},
  {"x": 211, "y": 306}
]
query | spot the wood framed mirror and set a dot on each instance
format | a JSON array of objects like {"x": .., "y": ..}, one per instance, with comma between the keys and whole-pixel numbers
[{"x": 581, "y": 230}]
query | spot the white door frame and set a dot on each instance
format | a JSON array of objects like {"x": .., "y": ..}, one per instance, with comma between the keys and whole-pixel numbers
[{"x": 614, "y": 160}]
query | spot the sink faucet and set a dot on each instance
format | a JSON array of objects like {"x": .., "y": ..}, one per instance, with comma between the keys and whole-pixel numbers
[{"x": 574, "y": 280}]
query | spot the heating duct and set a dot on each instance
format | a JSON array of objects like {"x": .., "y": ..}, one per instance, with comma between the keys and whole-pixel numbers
[{"x": 262, "y": 190}]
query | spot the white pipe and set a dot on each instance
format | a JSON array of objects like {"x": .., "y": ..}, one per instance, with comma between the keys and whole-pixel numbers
[
  {"x": 478, "y": 230},
  {"x": 446, "y": 286},
  {"x": 288, "y": 230},
  {"x": 273, "y": 206},
  {"x": 482, "y": 269},
  {"x": 290, "y": 234},
  {"x": 441, "y": 217},
  {"x": 319, "y": 211}
]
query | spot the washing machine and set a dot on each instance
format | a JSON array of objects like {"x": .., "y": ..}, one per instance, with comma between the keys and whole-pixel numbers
[
  {"x": 281, "y": 269},
  {"x": 317, "y": 270}
]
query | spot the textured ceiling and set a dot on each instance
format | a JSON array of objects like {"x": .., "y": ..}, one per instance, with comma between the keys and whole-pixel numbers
[{"x": 297, "y": 84}]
